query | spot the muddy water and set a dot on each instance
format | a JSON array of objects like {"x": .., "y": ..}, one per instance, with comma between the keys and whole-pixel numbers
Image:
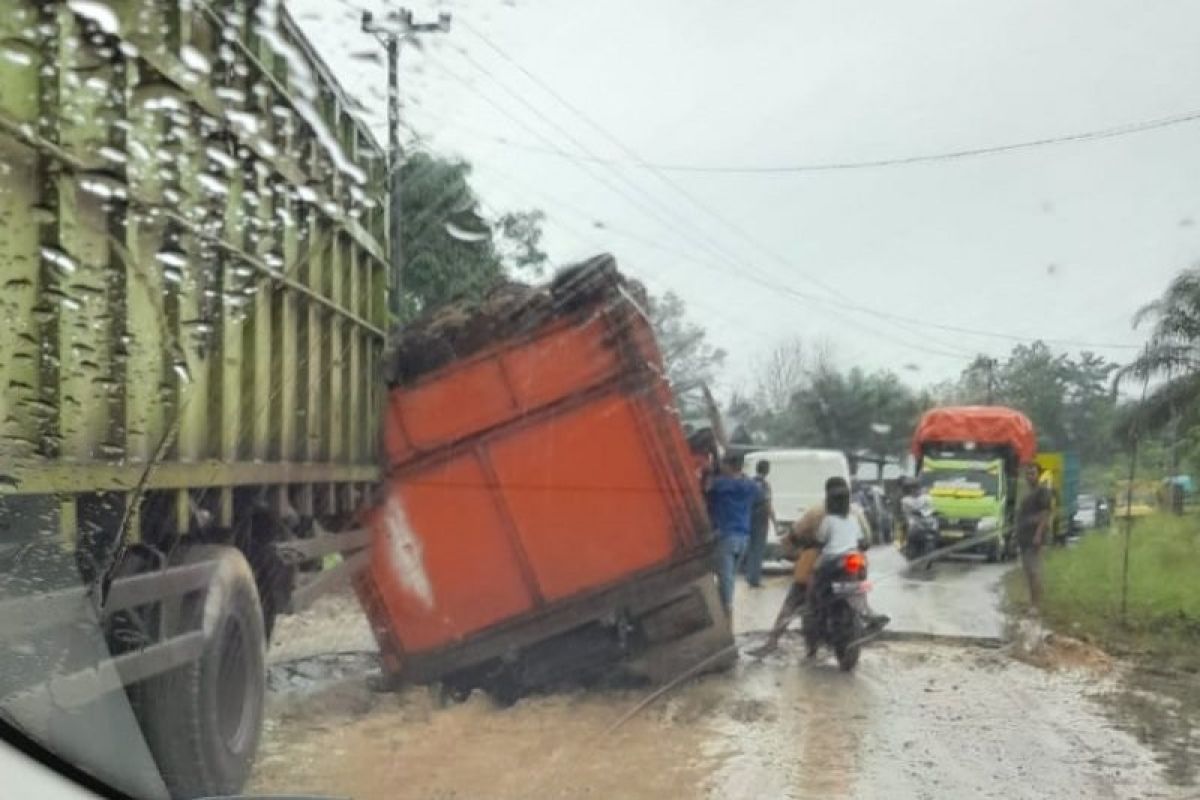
[{"x": 917, "y": 719}]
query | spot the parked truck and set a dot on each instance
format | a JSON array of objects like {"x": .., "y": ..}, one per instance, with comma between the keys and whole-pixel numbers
[
  {"x": 968, "y": 459},
  {"x": 194, "y": 264},
  {"x": 193, "y": 317},
  {"x": 1060, "y": 474}
]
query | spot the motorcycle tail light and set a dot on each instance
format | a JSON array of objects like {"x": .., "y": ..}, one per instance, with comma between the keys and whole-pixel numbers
[{"x": 854, "y": 563}]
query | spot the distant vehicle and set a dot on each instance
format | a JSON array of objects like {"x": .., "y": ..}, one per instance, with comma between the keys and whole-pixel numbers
[
  {"x": 922, "y": 531},
  {"x": 968, "y": 459},
  {"x": 797, "y": 484},
  {"x": 1091, "y": 512},
  {"x": 1060, "y": 474},
  {"x": 1141, "y": 501}
]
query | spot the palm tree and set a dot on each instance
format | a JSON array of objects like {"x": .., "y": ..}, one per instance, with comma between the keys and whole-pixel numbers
[{"x": 1172, "y": 355}]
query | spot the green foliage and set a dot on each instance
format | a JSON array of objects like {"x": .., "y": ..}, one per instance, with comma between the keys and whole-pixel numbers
[
  {"x": 1169, "y": 364},
  {"x": 449, "y": 250},
  {"x": 692, "y": 361},
  {"x": 1083, "y": 586},
  {"x": 1067, "y": 398},
  {"x": 520, "y": 241},
  {"x": 805, "y": 400}
]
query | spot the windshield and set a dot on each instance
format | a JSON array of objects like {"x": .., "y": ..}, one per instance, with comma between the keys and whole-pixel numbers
[
  {"x": 960, "y": 482},
  {"x": 472, "y": 399}
]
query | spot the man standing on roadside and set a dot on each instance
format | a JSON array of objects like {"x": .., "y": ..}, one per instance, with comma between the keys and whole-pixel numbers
[
  {"x": 731, "y": 497},
  {"x": 1033, "y": 524},
  {"x": 762, "y": 517}
]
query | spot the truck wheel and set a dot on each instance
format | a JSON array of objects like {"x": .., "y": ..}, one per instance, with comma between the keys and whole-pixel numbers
[
  {"x": 202, "y": 720},
  {"x": 995, "y": 551}
]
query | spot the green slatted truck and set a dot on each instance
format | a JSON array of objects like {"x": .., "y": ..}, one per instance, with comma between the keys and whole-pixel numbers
[{"x": 194, "y": 269}]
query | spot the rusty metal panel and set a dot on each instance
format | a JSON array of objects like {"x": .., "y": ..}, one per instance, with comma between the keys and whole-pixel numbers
[{"x": 192, "y": 257}]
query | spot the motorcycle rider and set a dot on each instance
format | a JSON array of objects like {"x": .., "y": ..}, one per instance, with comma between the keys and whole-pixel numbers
[
  {"x": 837, "y": 535},
  {"x": 805, "y": 534}
]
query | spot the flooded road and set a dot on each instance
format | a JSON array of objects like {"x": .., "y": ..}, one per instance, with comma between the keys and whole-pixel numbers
[{"x": 917, "y": 719}]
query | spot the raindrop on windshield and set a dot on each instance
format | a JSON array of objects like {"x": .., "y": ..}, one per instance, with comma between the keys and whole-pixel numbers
[
  {"x": 63, "y": 262},
  {"x": 16, "y": 53},
  {"x": 181, "y": 369},
  {"x": 194, "y": 59},
  {"x": 171, "y": 258},
  {"x": 100, "y": 13},
  {"x": 464, "y": 235}
]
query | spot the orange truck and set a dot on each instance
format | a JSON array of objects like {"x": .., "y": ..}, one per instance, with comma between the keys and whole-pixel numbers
[{"x": 538, "y": 516}]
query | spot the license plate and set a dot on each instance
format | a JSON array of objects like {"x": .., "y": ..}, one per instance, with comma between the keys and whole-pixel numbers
[
  {"x": 953, "y": 534},
  {"x": 849, "y": 588}
]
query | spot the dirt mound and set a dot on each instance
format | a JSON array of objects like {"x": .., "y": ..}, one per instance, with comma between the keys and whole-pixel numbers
[
  {"x": 1035, "y": 645},
  {"x": 509, "y": 309}
]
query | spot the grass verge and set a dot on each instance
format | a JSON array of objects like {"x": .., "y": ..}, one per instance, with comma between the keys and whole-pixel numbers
[{"x": 1083, "y": 590}]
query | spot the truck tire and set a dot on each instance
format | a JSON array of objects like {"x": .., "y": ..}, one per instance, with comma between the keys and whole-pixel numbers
[
  {"x": 995, "y": 551},
  {"x": 202, "y": 721}
]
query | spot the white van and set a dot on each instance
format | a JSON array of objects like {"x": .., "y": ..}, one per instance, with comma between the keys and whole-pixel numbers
[{"x": 797, "y": 481}]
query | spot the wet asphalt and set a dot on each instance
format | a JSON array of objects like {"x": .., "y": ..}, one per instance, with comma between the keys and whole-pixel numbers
[{"x": 939, "y": 710}]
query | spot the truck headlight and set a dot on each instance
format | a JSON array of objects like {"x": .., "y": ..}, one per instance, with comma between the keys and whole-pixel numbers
[{"x": 988, "y": 524}]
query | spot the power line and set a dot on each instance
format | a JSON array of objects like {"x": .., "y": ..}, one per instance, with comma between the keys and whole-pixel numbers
[
  {"x": 845, "y": 302},
  {"x": 661, "y": 211},
  {"x": 668, "y": 181},
  {"x": 835, "y": 166},
  {"x": 821, "y": 304}
]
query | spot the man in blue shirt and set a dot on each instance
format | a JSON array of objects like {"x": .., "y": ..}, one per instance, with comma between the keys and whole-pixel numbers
[{"x": 731, "y": 498}]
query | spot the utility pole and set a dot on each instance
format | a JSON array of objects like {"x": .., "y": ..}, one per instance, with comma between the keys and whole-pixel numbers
[
  {"x": 389, "y": 31},
  {"x": 990, "y": 365}
]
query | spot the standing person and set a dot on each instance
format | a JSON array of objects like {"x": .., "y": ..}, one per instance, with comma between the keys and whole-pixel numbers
[
  {"x": 1033, "y": 524},
  {"x": 731, "y": 496},
  {"x": 762, "y": 517}
]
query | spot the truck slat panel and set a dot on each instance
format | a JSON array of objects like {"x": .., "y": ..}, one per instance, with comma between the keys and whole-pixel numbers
[{"x": 168, "y": 266}]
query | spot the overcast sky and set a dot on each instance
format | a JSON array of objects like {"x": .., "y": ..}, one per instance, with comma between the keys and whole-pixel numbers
[{"x": 1063, "y": 241}]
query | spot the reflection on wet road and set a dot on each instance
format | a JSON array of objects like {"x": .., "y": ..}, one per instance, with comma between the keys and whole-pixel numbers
[
  {"x": 917, "y": 719},
  {"x": 958, "y": 597}
]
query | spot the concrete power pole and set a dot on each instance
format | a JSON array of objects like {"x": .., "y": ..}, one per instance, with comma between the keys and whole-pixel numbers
[
  {"x": 389, "y": 31},
  {"x": 990, "y": 365}
]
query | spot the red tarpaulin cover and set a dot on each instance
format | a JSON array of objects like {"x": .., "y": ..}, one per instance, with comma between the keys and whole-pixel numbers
[{"x": 984, "y": 425}]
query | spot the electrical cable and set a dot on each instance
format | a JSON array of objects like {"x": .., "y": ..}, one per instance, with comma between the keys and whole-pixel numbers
[{"x": 657, "y": 170}]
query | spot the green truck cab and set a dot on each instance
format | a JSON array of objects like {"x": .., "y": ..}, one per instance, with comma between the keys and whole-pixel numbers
[
  {"x": 969, "y": 495},
  {"x": 968, "y": 457}
]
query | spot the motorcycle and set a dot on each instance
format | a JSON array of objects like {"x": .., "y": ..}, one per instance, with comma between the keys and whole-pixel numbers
[
  {"x": 838, "y": 616},
  {"x": 923, "y": 533}
]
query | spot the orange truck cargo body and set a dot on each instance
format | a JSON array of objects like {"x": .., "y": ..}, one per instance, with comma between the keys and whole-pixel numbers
[{"x": 523, "y": 485}]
